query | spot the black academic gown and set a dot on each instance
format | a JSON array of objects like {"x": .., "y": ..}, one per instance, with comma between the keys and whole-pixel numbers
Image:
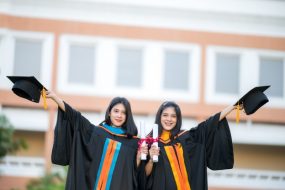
[
  {"x": 207, "y": 145},
  {"x": 97, "y": 158}
]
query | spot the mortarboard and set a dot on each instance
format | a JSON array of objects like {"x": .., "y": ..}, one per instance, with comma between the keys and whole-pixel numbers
[
  {"x": 28, "y": 87},
  {"x": 252, "y": 100}
]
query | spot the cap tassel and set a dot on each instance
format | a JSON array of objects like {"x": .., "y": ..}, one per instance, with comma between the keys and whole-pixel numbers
[
  {"x": 237, "y": 113},
  {"x": 44, "y": 98}
]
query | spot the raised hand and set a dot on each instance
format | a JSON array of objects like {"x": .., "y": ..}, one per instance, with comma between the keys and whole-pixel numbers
[
  {"x": 154, "y": 150},
  {"x": 142, "y": 149}
]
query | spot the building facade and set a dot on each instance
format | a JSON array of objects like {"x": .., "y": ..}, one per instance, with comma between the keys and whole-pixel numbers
[{"x": 203, "y": 55}]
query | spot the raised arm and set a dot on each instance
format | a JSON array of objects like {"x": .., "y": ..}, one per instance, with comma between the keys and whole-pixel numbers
[
  {"x": 228, "y": 110},
  {"x": 56, "y": 99}
]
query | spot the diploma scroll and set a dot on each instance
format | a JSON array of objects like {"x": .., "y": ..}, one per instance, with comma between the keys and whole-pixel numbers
[
  {"x": 155, "y": 136},
  {"x": 142, "y": 129}
]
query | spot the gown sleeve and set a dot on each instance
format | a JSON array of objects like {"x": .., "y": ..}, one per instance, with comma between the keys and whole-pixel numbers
[
  {"x": 216, "y": 138},
  {"x": 141, "y": 175},
  {"x": 68, "y": 123}
]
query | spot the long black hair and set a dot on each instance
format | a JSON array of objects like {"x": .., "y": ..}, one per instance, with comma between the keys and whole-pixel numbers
[
  {"x": 129, "y": 125},
  {"x": 178, "y": 125}
]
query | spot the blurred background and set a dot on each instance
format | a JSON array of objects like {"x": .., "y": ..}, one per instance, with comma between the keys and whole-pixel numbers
[{"x": 202, "y": 54}]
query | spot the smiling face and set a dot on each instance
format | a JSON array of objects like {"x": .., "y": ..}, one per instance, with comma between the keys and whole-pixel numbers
[
  {"x": 118, "y": 115},
  {"x": 168, "y": 118}
]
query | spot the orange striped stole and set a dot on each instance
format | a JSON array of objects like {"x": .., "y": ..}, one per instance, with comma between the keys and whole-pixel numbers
[{"x": 176, "y": 160}]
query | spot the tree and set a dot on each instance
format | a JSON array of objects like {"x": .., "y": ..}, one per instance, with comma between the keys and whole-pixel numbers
[
  {"x": 51, "y": 181},
  {"x": 10, "y": 145},
  {"x": 7, "y": 143},
  {"x": 48, "y": 182}
]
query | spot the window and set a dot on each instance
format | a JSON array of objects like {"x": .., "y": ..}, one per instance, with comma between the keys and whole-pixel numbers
[
  {"x": 129, "y": 69},
  {"x": 227, "y": 73},
  {"x": 231, "y": 72},
  {"x": 176, "y": 72},
  {"x": 81, "y": 64},
  {"x": 104, "y": 66},
  {"x": 271, "y": 71},
  {"x": 25, "y": 53},
  {"x": 27, "y": 59}
]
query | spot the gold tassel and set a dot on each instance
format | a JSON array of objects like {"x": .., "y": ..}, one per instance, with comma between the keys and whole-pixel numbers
[
  {"x": 44, "y": 98},
  {"x": 237, "y": 113}
]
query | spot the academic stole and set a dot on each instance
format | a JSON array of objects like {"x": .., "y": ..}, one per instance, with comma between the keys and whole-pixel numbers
[
  {"x": 175, "y": 156},
  {"x": 107, "y": 164}
]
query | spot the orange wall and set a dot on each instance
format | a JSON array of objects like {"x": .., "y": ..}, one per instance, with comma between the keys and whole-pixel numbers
[
  {"x": 35, "y": 142},
  {"x": 260, "y": 157},
  {"x": 199, "y": 110},
  {"x": 18, "y": 183}
]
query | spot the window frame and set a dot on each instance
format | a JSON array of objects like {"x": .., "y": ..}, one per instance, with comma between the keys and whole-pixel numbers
[
  {"x": 247, "y": 55},
  {"x": 8, "y": 41},
  {"x": 152, "y": 68},
  {"x": 63, "y": 85}
]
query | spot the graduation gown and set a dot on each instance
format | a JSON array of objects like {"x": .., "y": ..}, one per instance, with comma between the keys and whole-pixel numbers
[
  {"x": 183, "y": 162},
  {"x": 97, "y": 157}
]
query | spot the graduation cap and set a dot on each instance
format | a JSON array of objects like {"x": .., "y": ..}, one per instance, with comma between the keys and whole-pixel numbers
[
  {"x": 252, "y": 100},
  {"x": 28, "y": 87}
]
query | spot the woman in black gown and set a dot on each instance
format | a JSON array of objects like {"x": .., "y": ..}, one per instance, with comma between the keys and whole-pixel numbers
[
  {"x": 103, "y": 157},
  {"x": 185, "y": 155}
]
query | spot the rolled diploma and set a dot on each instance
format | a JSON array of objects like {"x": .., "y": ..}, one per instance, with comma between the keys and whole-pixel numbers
[
  {"x": 154, "y": 136},
  {"x": 142, "y": 127}
]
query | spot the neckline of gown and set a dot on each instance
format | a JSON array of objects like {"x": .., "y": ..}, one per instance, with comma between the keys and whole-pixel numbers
[
  {"x": 114, "y": 130},
  {"x": 165, "y": 136}
]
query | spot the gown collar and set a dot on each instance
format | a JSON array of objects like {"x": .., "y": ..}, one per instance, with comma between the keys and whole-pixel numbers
[
  {"x": 115, "y": 130},
  {"x": 165, "y": 136}
]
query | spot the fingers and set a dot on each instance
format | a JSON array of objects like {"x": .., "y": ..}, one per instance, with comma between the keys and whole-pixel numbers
[
  {"x": 143, "y": 149},
  {"x": 154, "y": 150},
  {"x": 240, "y": 107},
  {"x": 49, "y": 94}
]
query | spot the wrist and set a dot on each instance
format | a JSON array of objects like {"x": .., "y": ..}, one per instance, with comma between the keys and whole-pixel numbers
[{"x": 150, "y": 161}]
